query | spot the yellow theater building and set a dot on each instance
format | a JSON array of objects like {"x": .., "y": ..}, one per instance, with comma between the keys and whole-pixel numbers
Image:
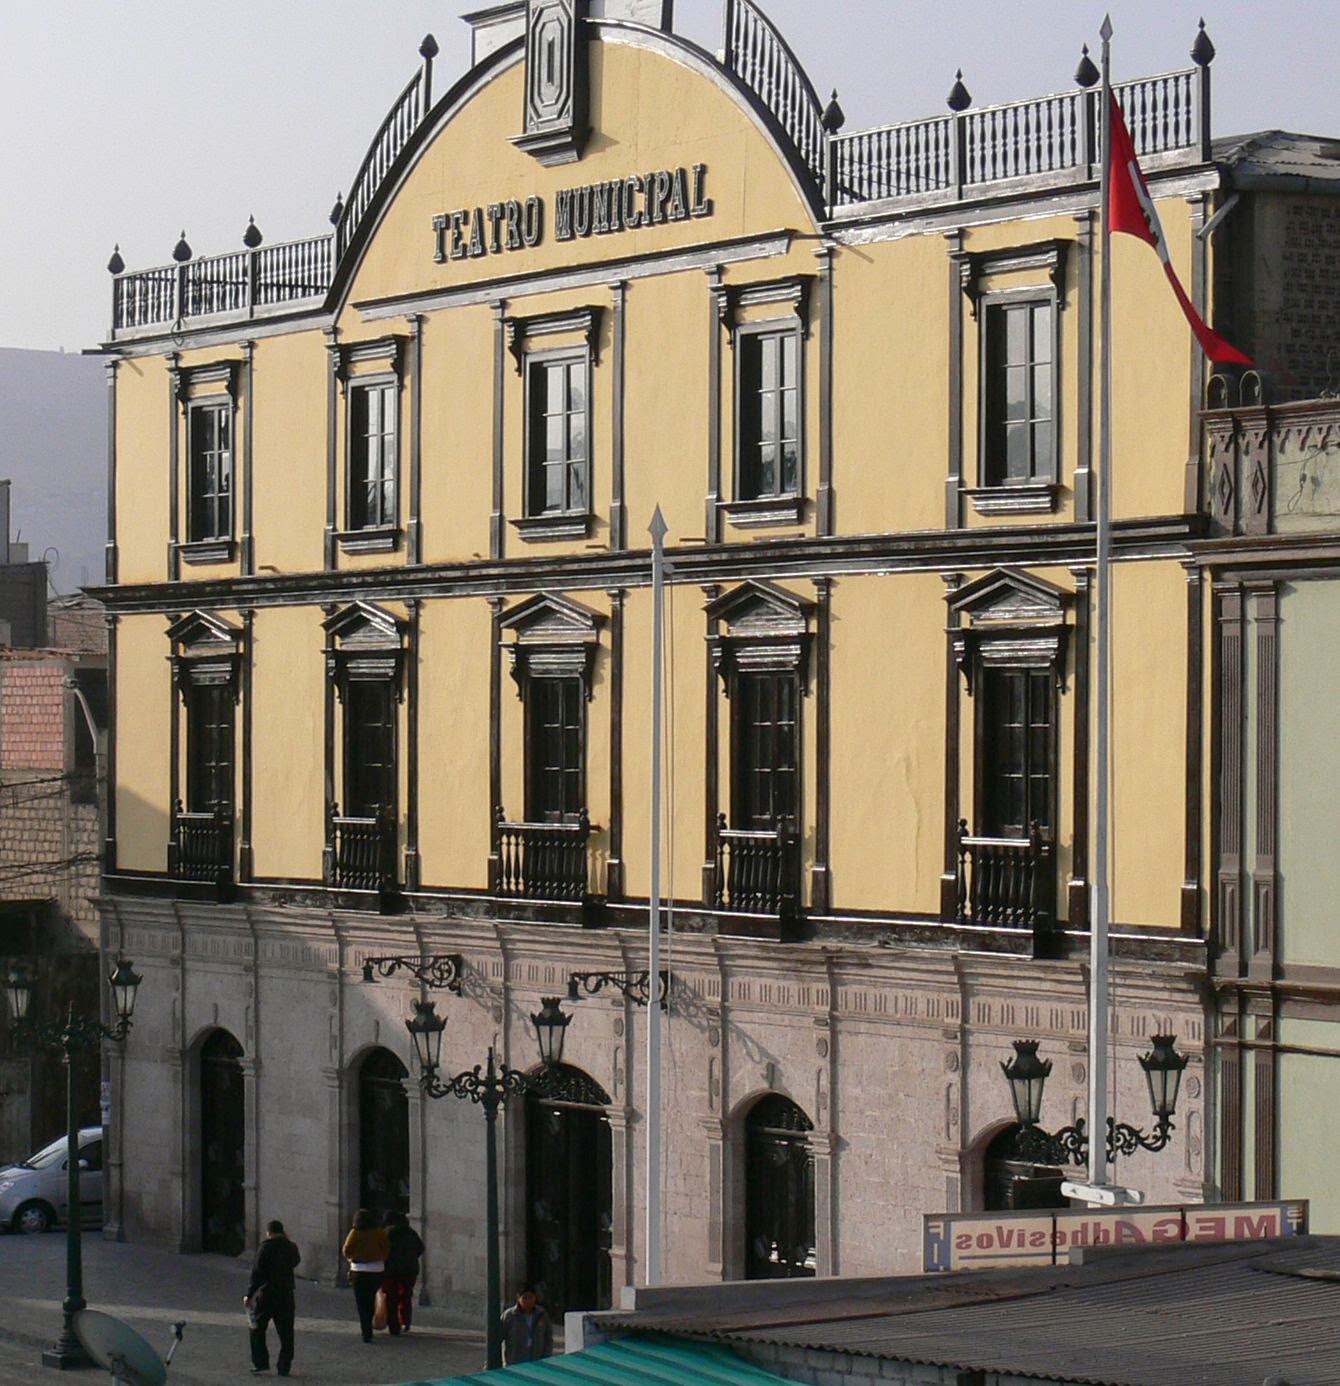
[{"x": 379, "y": 578}]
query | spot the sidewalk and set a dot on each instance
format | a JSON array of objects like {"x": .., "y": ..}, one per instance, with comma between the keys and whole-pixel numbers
[{"x": 151, "y": 1289}]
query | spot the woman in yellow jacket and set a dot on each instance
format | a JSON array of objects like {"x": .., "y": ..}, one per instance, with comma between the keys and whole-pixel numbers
[{"x": 366, "y": 1248}]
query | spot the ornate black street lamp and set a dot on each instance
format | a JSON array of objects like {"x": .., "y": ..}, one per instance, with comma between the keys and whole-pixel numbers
[
  {"x": 490, "y": 1087},
  {"x": 72, "y": 1036},
  {"x": 636, "y": 986},
  {"x": 1027, "y": 1074}
]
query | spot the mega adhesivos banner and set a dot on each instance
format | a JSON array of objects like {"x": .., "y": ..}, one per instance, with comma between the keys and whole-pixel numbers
[{"x": 984, "y": 1241}]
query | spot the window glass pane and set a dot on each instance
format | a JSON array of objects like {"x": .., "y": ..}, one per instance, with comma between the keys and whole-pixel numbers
[
  {"x": 1016, "y": 335},
  {"x": 1042, "y": 448},
  {"x": 577, "y": 385},
  {"x": 577, "y": 486},
  {"x": 1017, "y": 454},
  {"x": 768, "y": 347},
  {"x": 790, "y": 469},
  {"x": 553, "y": 487},
  {"x": 553, "y": 438},
  {"x": 1016, "y": 392},
  {"x": 1042, "y": 392},
  {"x": 577, "y": 437},
  {"x": 789, "y": 359},
  {"x": 767, "y": 472},
  {"x": 789, "y": 411},
  {"x": 1042, "y": 332}
]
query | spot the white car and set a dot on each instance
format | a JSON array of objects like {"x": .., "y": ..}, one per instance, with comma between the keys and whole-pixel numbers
[{"x": 34, "y": 1193}]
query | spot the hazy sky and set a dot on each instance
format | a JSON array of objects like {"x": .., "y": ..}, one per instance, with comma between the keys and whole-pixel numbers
[{"x": 129, "y": 120}]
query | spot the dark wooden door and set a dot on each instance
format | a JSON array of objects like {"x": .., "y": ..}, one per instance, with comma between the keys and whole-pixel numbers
[
  {"x": 779, "y": 1192},
  {"x": 223, "y": 1210},
  {"x": 383, "y": 1133},
  {"x": 766, "y": 742},
  {"x": 569, "y": 1204},
  {"x": 1012, "y": 1185}
]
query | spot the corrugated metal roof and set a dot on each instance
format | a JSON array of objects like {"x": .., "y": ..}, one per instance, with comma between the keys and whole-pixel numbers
[
  {"x": 1209, "y": 1316},
  {"x": 630, "y": 1362},
  {"x": 1282, "y": 160}
]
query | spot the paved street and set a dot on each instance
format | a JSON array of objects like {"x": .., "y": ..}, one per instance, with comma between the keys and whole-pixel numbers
[{"x": 151, "y": 1289}]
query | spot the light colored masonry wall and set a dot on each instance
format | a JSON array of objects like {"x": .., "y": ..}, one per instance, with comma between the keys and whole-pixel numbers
[{"x": 893, "y": 1054}]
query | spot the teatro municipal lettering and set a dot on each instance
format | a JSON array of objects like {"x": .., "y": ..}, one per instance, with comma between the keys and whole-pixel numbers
[{"x": 597, "y": 209}]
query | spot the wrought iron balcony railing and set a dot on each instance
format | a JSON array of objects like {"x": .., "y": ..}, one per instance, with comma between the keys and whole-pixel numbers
[
  {"x": 1005, "y": 880},
  {"x": 201, "y": 847},
  {"x": 361, "y": 852},
  {"x": 542, "y": 861},
  {"x": 758, "y": 870}
]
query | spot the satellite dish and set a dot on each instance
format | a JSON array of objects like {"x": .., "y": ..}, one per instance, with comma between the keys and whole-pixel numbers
[{"x": 117, "y": 1348}]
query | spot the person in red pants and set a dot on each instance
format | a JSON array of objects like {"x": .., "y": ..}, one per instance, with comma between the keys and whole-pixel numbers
[{"x": 402, "y": 1270}]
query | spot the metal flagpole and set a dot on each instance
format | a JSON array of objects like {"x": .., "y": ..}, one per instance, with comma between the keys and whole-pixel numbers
[
  {"x": 1098, "y": 920},
  {"x": 657, "y": 530}
]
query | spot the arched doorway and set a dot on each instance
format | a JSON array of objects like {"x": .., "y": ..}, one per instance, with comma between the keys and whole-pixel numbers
[
  {"x": 383, "y": 1133},
  {"x": 1010, "y": 1184},
  {"x": 223, "y": 1210},
  {"x": 569, "y": 1193},
  {"x": 779, "y": 1191}
]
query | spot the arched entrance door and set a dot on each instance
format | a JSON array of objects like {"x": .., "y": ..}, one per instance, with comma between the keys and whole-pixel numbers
[
  {"x": 779, "y": 1191},
  {"x": 223, "y": 1211},
  {"x": 569, "y": 1193},
  {"x": 383, "y": 1133},
  {"x": 1010, "y": 1185}
]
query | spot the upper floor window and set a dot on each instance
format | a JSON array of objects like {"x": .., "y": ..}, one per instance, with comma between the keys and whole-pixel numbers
[
  {"x": 1017, "y": 295},
  {"x": 210, "y": 472},
  {"x": 555, "y": 727},
  {"x": 558, "y": 460},
  {"x": 372, "y": 455},
  {"x": 768, "y": 325},
  {"x": 766, "y": 738},
  {"x": 209, "y": 747},
  {"x": 1019, "y": 435},
  {"x": 556, "y": 491},
  {"x": 1015, "y": 771},
  {"x": 769, "y": 414},
  {"x": 369, "y": 747}
]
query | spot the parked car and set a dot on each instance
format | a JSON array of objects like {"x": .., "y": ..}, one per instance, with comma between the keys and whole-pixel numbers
[{"x": 34, "y": 1192}]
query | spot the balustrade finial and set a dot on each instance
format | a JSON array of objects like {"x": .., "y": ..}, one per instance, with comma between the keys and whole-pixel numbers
[
  {"x": 959, "y": 98},
  {"x": 337, "y": 211},
  {"x": 1202, "y": 51},
  {"x": 181, "y": 252},
  {"x": 116, "y": 264},
  {"x": 834, "y": 117},
  {"x": 1087, "y": 74},
  {"x": 251, "y": 237},
  {"x": 428, "y": 48}
]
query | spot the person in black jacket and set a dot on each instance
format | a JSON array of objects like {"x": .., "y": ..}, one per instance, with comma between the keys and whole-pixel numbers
[
  {"x": 402, "y": 1270},
  {"x": 270, "y": 1297}
]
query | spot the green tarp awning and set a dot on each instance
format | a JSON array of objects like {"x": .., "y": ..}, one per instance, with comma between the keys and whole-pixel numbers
[{"x": 629, "y": 1362}]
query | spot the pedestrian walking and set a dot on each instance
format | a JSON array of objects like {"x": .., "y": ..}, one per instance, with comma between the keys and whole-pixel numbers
[
  {"x": 528, "y": 1335},
  {"x": 365, "y": 1249},
  {"x": 405, "y": 1247},
  {"x": 269, "y": 1299}
]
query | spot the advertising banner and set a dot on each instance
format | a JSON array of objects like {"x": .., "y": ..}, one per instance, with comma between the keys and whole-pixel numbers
[{"x": 1045, "y": 1237}]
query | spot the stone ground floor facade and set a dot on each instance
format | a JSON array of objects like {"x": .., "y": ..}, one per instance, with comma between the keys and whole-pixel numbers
[{"x": 263, "y": 1075}]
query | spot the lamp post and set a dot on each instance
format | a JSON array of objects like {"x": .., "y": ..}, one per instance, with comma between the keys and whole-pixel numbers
[
  {"x": 72, "y": 1036},
  {"x": 1027, "y": 1074},
  {"x": 490, "y": 1088}
]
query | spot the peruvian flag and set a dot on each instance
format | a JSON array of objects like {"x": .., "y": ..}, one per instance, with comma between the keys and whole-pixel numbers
[{"x": 1130, "y": 209}]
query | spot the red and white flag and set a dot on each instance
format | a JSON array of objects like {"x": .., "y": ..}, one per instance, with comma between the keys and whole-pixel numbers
[{"x": 1131, "y": 210}]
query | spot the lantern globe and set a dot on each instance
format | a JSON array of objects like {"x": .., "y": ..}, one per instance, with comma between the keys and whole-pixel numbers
[
  {"x": 551, "y": 1025},
  {"x": 1027, "y": 1075},
  {"x": 425, "y": 1029},
  {"x": 19, "y": 989},
  {"x": 125, "y": 984},
  {"x": 1163, "y": 1067}
]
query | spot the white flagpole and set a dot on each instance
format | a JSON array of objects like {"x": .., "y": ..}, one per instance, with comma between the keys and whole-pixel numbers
[
  {"x": 1098, "y": 920},
  {"x": 657, "y": 530}
]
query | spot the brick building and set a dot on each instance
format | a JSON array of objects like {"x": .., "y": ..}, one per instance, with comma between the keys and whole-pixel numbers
[{"x": 49, "y": 852}]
